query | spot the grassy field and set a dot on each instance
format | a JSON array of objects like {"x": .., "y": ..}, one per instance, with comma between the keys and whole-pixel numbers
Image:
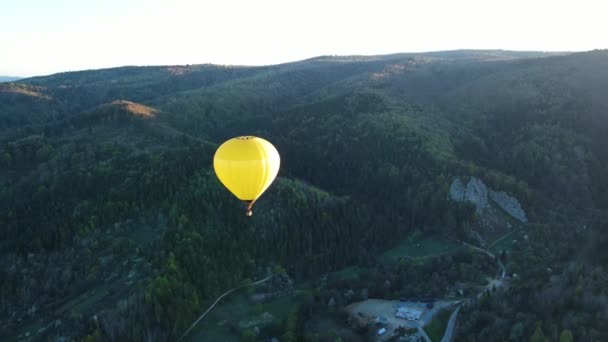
[
  {"x": 436, "y": 328},
  {"x": 503, "y": 224},
  {"x": 506, "y": 242},
  {"x": 352, "y": 272},
  {"x": 235, "y": 309},
  {"x": 422, "y": 247}
]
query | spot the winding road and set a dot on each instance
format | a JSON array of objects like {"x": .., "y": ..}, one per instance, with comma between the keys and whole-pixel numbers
[
  {"x": 502, "y": 273},
  {"x": 449, "y": 330}
]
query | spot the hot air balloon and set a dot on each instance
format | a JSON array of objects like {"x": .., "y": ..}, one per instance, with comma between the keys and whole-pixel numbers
[{"x": 246, "y": 166}]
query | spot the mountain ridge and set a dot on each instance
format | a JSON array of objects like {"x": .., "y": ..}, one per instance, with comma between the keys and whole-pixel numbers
[
  {"x": 108, "y": 193},
  {"x": 10, "y": 78}
]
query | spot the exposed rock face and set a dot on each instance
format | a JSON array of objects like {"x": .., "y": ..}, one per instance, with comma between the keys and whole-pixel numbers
[
  {"x": 509, "y": 204},
  {"x": 478, "y": 193},
  {"x": 475, "y": 192},
  {"x": 457, "y": 190}
]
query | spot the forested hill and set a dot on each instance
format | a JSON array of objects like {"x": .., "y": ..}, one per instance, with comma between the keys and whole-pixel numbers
[
  {"x": 9, "y": 78},
  {"x": 115, "y": 227}
]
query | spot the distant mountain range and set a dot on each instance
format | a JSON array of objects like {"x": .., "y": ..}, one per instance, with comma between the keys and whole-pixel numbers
[{"x": 9, "y": 78}]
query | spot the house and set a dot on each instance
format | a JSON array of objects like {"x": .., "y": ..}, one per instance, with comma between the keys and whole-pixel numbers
[{"x": 408, "y": 314}]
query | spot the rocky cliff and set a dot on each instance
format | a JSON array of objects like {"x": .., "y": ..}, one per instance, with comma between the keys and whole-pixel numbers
[{"x": 479, "y": 194}]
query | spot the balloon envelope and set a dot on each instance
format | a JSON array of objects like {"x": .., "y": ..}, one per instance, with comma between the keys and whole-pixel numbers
[{"x": 246, "y": 166}]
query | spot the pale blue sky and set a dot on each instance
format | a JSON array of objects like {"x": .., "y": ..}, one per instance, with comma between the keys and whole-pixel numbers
[{"x": 46, "y": 36}]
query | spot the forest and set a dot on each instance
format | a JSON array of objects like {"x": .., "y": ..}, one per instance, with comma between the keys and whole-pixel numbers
[{"x": 116, "y": 228}]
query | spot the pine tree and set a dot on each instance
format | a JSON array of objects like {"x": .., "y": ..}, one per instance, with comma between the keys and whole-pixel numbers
[
  {"x": 538, "y": 335},
  {"x": 566, "y": 336}
]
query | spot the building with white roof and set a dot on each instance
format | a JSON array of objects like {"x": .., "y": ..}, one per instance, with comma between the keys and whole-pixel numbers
[{"x": 408, "y": 314}]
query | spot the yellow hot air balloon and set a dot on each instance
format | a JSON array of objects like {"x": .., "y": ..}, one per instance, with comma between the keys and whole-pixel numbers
[{"x": 246, "y": 166}]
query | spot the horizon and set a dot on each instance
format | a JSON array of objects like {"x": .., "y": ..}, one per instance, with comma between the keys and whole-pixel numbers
[
  {"x": 75, "y": 36},
  {"x": 297, "y": 61}
]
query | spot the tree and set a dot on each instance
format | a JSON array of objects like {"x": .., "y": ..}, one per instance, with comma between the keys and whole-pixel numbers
[
  {"x": 538, "y": 335},
  {"x": 517, "y": 332},
  {"x": 248, "y": 336},
  {"x": 7, "y": 159},
  {"x": 566, "y": 336},
  {"x": 93, "y": 337},
  {"x": 291, "y": 326}
]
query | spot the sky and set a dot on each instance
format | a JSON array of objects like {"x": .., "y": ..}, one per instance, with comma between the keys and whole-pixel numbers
[{"x": 40, "y": 37}]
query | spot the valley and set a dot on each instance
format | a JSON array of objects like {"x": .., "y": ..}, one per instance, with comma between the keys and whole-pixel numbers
[{"x": 469, "y": 177}]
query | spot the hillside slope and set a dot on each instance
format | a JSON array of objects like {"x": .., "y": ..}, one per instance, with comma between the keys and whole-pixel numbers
[{"x": 114, "y": 226}]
